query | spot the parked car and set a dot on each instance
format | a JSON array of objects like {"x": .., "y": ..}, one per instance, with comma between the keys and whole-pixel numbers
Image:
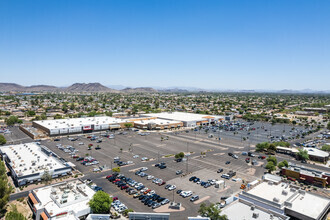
[
  {"x": 194, "y": 198},
  {"x": 172, "y": 187},
  {"x": 227, "y": 162},
  {"x": 220, "y": 170},
  {"x": 178, "y": 172}
]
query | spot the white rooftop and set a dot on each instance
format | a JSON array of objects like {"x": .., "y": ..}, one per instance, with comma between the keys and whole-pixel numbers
[
  {"x": 65, "y": 197},
  {"x": 78, "y": 122},
  {"x": 184, "y": 116},
  {"x": 316, "y": 152},
  {"x": 29, "y": 158},
  {"x": 270, "y": 191},
  {"x": 157, "y": 121},
  {"x": 239, "y": 210},
  {"x": 293, "y": 199},
  {"x": 316, "y": 204}
]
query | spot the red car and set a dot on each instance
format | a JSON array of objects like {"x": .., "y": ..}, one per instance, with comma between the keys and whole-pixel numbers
[
  {"x": 89, "y": 137},
  {"x": 292, "y": 179},
  {"x": 116, "y": 180},
  {"x": 114, "y": 198},
  {"x": 247, "y": 160},
  {"x": 162, "y": 183},
  {"x": 124, "y": 187},
  {"x": 107, "y": 177}
]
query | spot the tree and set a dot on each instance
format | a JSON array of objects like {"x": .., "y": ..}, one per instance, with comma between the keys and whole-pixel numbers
[
  {"x": 126, "y": 211},
  {"x": 302, "y": 154},
  {"x": 116, "y": 169},
  {"x": 13, "y": 120},
  {"x": 325, "y": 147},
  {"x": 58, "y": 116},
  {"x": 46, "y": 177},
  {"x": 14, "y": 214},
  {"x": 31, "y": 113},
  {"x": 271, "y": 148},
  {"x": 286, "y": 164},
  {"x": 280, "y": 165},
  {"x": 272, "y": 159},
  {"x": 128, "y": 125},
  {"x": 179, "y": 155},
  {"x": 211, "y": 211},
  {"x": 262, "y": 146},
  {"x": 100, "y": 203},
  {"x": 270, "y": 167},
  {"x": 328, "y": 126},
  {"x": 4, "y": 188},
  {"x": 2, "y": 140}
]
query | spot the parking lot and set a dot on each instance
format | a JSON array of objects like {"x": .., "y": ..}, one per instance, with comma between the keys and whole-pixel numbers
[
  {"x": 206, "y": 154},
  {"x": 161, "y": 147}
]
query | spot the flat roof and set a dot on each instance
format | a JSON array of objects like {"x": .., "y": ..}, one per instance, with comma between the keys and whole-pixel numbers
[
  {"x": 184, "y": 116},
  {"x": 76, "y": 193},
  {"x": 298, "y": 199},
  {"x": 309, "y": 204},
  {"x": 29, "y": 159},
  {"x": 79, "y": 122},
  {"x": 157, "y": 121},
  {"x": 316, "y": 152},
  {"x": 270, "y": 191},
  {"x": 239, "y": 210}
]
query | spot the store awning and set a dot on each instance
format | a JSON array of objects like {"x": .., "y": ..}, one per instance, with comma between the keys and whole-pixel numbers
[
  {"x": 33, "y": 199},
  {"x": 44, "y": 216},
  {"x": 114, "y": 126}
]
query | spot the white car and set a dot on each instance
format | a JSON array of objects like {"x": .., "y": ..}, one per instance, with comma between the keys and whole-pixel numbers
[
  {"x": 173, "y": 187},
  {"x": 144, "y": 169},
  {"x": 135, "y": 156},
  {"x": 186, "y": 194},
  {"x": 81, "y": 143},
  {"x": 96, "y": 170},
  {"x": 144, "y": 158},
  {"x": 150, "y": 177},
  {"x": 129, "y": 162},
  {"x": 151, "y": 193},
  {"x": 236, "y": 179}
]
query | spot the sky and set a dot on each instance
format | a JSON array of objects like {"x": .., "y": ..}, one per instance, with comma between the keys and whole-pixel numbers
[{"x": 210, "y": 44}]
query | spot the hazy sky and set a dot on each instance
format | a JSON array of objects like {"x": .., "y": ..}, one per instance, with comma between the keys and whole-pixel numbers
[{"x": 199, "y": 43}]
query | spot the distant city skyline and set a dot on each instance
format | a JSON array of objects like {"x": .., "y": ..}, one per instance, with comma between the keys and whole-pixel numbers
[{"x": 211, "y": 44}]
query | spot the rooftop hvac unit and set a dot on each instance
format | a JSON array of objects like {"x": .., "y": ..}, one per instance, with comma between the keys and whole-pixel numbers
[
  {"x": 292, "y": 189},
  {"x": 288, "y": 204},
  {"x": 63, "y": 201},
  {"x": 276, "y": 199},
  {"x": 284, "y": 192},
  {"x": 255, "y": 215},
  {"x": 65, "y": 195},
  {"x": 271, "y": 216},
  {"x": 302, "y": 192},
  {"x": 252, "y": 207}
]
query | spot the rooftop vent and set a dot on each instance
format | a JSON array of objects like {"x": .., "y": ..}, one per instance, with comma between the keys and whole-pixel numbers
[
  {"x": 284, "y": 192},
  {"x": 288, "y": 204},
  {"x": 255, "y": 215},
  {"x": 276, "y": 199},
  {"x": 253, "y": 207}
]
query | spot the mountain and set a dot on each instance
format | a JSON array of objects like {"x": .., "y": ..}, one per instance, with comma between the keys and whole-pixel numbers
[
  {"x": 89, "y": 87},
  {"x": 139, "y": 90},
  {"x": 41, "y": 88},
  {"x": 4, "y": 87}
]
